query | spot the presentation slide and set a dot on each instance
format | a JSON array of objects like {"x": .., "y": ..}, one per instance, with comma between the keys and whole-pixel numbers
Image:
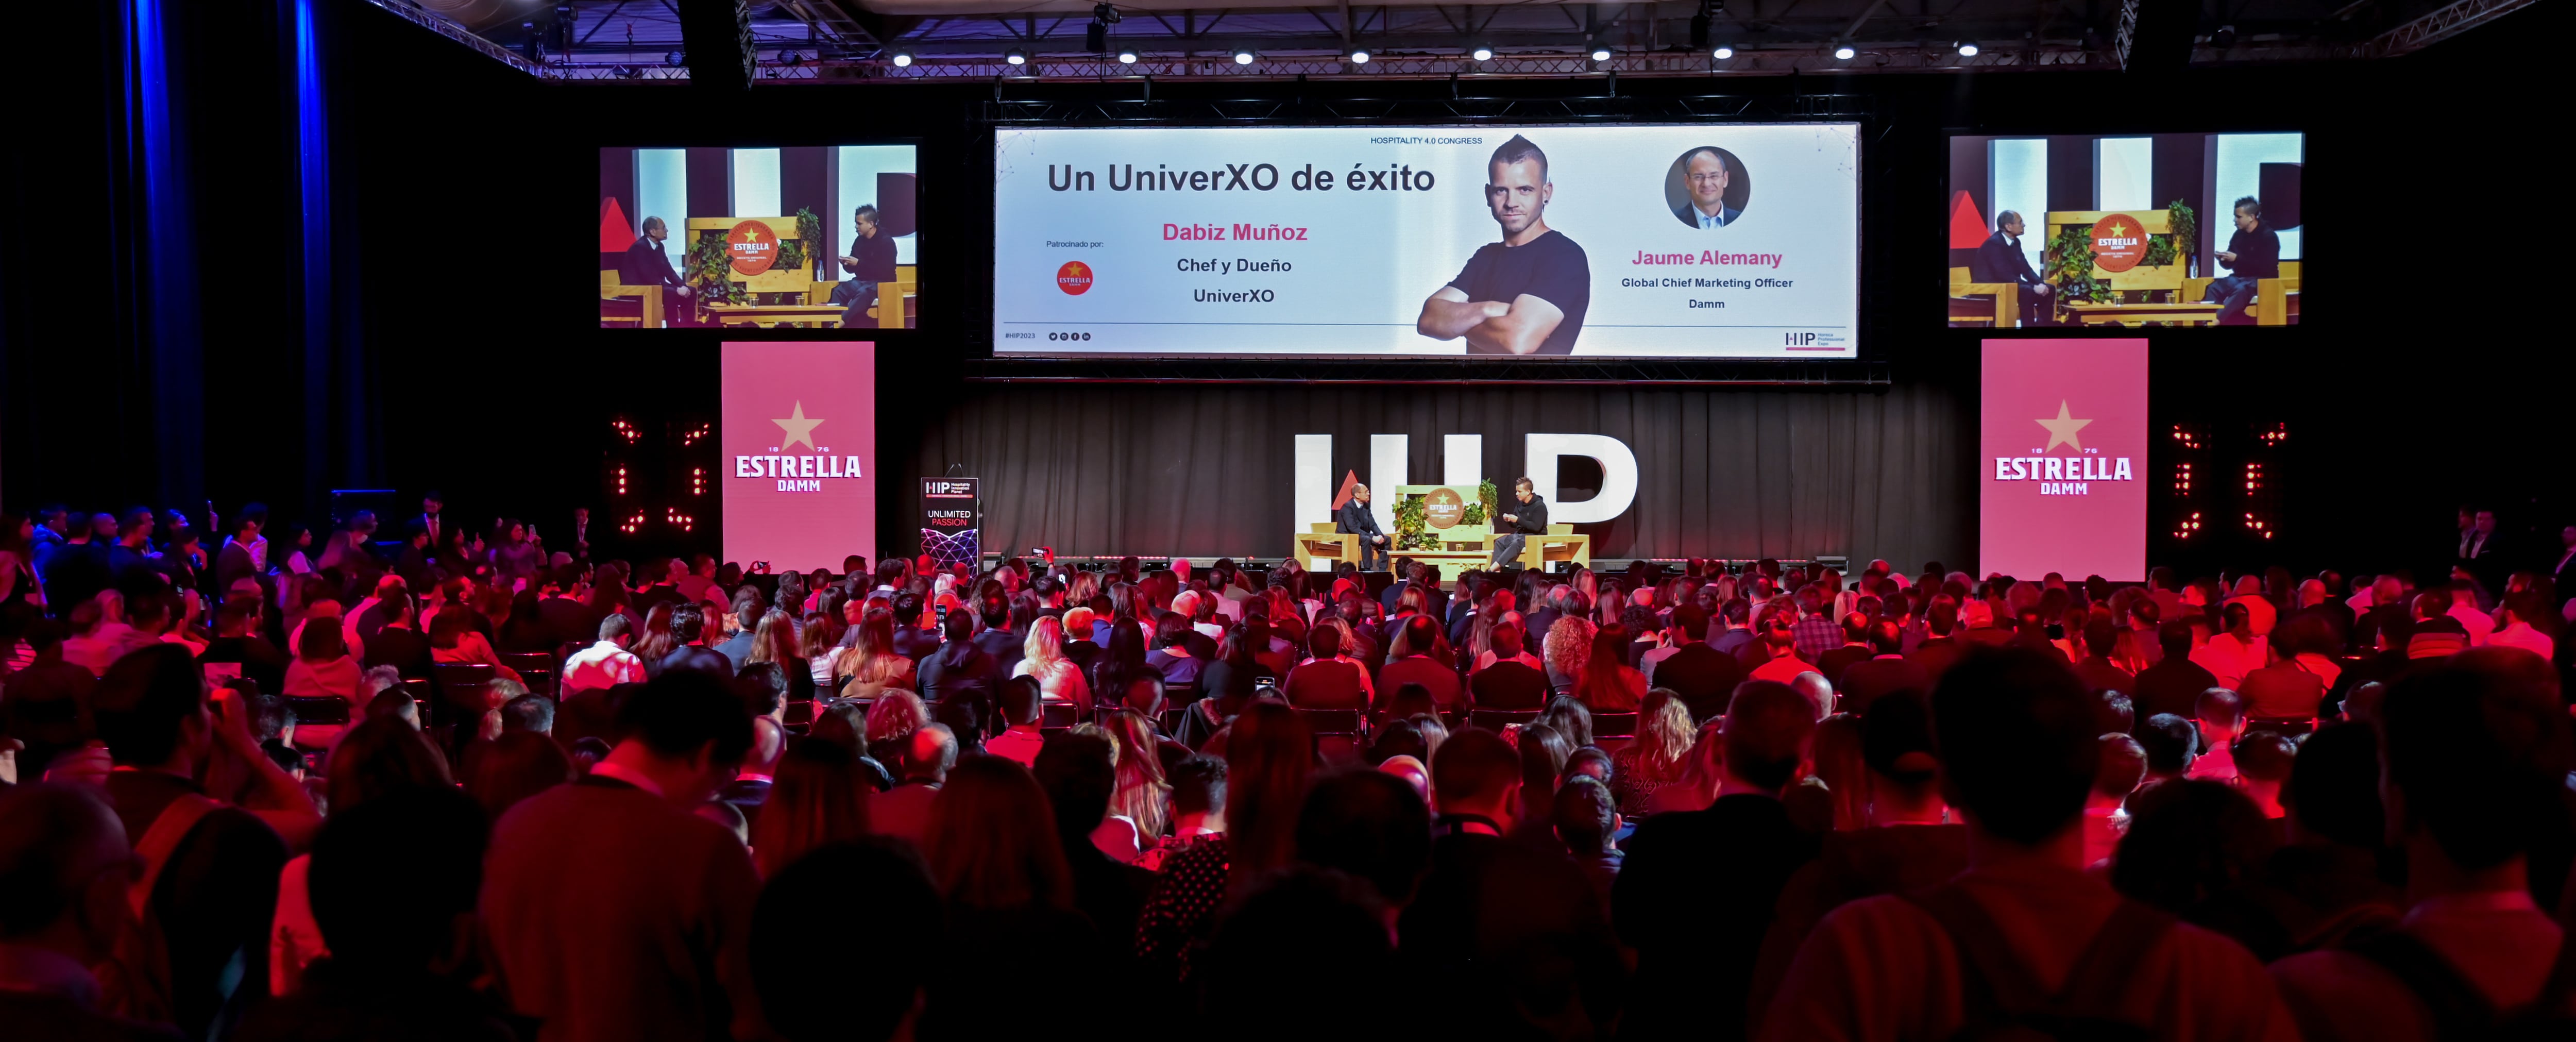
[
  {"x": 799, "y": 453},
  {"x": 1702, "y": 241},
  {"x": 2126, "y": 230},
  {"x": 2063, "y": 429},
  {"x": 818, "y": 237}
]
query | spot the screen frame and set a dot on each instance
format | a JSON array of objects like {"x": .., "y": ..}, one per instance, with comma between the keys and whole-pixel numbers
[{"x": 1860, "y": 348}]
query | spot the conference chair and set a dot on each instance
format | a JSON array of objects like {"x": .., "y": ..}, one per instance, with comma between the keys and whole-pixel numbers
[
  {"x": 1998, "y": 304},
  {"x": 1340, "y": 734},
  {"x": 537, "y": 670},
  {"x": 1614, "y": 725},
  {"x": 1497, "y": 719}
]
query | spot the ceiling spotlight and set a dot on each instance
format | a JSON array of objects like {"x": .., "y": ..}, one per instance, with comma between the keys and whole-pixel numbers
[
  {"x": 790, "y": 58},
  {"x": 1126, "y": 57},
  {"x": 1359, "y": 57},
  {"x": 1016, "y": 56},
  {"x": 675, "y": 59},
  {"x": 1844, "y": 52},
  {"x": 1601, "y": 54},
  {"x": 1723, "y": 52},
  {"x": 2224, "y": 38},
  {"x": 1482, "y": 54},
  {"x": 903, "y": 59},
  {"x": 1244, "y": 56},
  {"x": 1967, "y": 48}
]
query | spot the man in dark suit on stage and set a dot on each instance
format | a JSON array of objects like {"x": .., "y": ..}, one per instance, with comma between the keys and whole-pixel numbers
[
  {"x": 1354, "y": 517},
  {"x": 2000, "y": 260},
  {"x": 1524, "y": 516},
  {"x": 646, "y": 265}
]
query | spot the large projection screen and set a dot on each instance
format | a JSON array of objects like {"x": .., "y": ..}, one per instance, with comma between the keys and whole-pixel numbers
[{"x": 1700, "y": 241}]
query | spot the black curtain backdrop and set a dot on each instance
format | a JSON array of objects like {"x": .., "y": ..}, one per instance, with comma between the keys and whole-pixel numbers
[{"x": 1206, "y": 471}]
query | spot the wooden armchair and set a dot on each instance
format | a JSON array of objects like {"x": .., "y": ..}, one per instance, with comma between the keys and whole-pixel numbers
[
  {"x": 648, "y": 303},
  {"x": 1320, "y": 543},
  {"x": 1998, "y": 304},
  {"x": 2276, "y": 301},
  {"x": 1559, "y": 544},
  {"x": 895, "y": 304}
]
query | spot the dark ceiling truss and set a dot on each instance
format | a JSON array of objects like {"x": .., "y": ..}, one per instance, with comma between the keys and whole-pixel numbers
[{"x": 847, "y": 40}]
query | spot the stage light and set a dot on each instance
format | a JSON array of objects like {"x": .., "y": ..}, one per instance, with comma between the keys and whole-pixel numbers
[
  {"x": 1482, "y": 54},
  {"x": 903, "y": 59},
  {"x": 1844, "y": 52},
  {"x": 675, "y": 59},
  {"x": 1359, "y": 57},
  {"x": 1244, "y": 56},
  {"x": 2224, "y": 38},
  {"x": 1016, "y": 56},
  {"x": 790, "y": 58},
  {"x": 1095, "y": 38},
  {"x": 1967, "y": 49},
  {"x": 1601, "y": 54},
  {"x": 1723, "y": 52},
  {"x": 1126, "y": 57}
]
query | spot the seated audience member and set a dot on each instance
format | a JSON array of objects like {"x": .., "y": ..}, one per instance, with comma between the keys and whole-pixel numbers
[
  {"x": 1510, "y": 930},
  {"x": 1078, "y": 770},
  {"x": 2522, "y": 613},
  {"x": 1510, "y": 682},
  {"x": 2474, "y": 755},
  {"x": 1171, "y": 652},
  {"x": 1023, "y": 703},
  {"x": 818, "y": 798},
  {"x": 322, "y": 667},
  {"x": 1269, "y": 754},
  {"x": 1697, "y": 891},
  {"x": 2096, "y": 668},
  {"x": 2221, "y": 715},
  {"x": 1420, "y": 638},
  {"x": 2172, "y": 743},
  {"x": 2173, "y": 685},
  {"x": 67, "y": 865},
  {"x": 217, "y": 865},
  {"x": 2019, "y": 752},
  {"x": 1886, "y": 672},
  {"x": 690, "y": 650},
  {"x": 1198, "y": 808},
  {"x": 1659, "y": 754},
  {"x": 604, "y": 664},
  {"x": 2290, "y": 690},
  {"x": 959, "y": 669},
  {"x": 922, "y": 760},
  {"x": 994, "y": 852},
  {"x": 1607, "y": 683},
  {"x": 1778, "y": 644},
  {"x": 1287, "y": 923},
  {"x": 397, "y": 968},
  {"x": 2196, "y": 849},
  {"x": 2330, "y": 867},
  {"x": 2263, "y": 760},
  {"x": 1370, "y": 825},
  {"x": 1585, "y": 819},
  {"x": 237, "y": 640},
  {"x": 519, "y": 764},
  {"x": 1906, "y": 846},
  {"x": 612, "y": 910},
  {"x": 804, "y": 919},
  {"x": 2106, "y": 815},
  {"x": 1327, "y": 681},
  {"x": 1059, "y": 677}
]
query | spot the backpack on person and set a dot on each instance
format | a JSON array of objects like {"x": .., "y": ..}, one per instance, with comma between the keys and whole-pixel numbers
[
  {"x": 135, "y": 981},
  {"x": 2003, "y": 1002}
]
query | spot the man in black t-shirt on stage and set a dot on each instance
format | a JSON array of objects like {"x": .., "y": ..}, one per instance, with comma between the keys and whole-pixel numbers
[{"x": 1523, "y": 295}]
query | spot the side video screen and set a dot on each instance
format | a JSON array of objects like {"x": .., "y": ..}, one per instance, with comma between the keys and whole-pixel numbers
[{"x": 798, "y": 237}]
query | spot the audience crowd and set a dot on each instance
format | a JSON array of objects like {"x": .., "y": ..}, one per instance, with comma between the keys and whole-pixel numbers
[{"x": 459, "y": 787}]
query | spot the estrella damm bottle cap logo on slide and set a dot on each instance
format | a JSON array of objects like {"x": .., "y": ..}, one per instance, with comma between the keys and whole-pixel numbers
[
  {"x": 2119, "y": 242},
  {"x": 752, "y": 246},
  {"x": 1074, "y": 278}
]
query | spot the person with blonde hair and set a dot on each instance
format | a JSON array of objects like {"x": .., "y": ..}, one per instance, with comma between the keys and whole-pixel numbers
[
  {"x": 871, "y": 664},
  {"x": 1142, "y": 797},
  {"x": 1042, "y": 656},
  {"x": 1658, "y": 757}
]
